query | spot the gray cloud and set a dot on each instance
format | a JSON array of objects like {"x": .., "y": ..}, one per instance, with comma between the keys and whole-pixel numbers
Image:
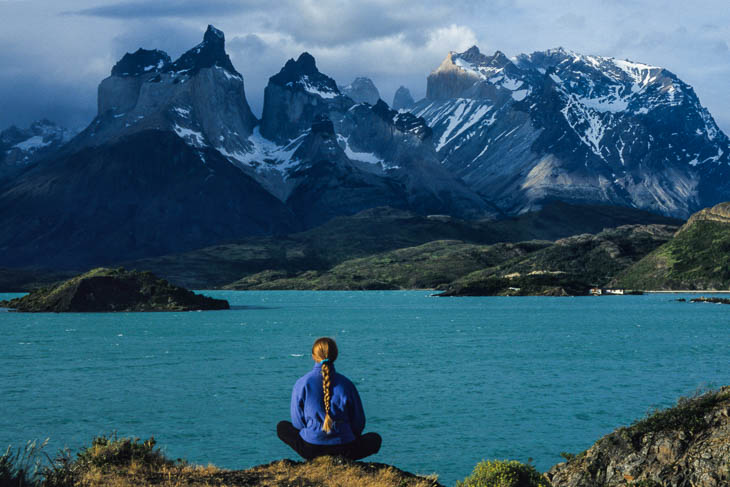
[{"x": 166, "y": 9}]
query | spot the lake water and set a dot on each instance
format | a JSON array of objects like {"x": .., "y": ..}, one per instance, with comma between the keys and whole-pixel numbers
[{"x": 447, "y": 382}]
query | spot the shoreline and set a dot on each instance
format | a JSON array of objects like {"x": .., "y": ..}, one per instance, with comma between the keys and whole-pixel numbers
[{"x": 685, "y": 291}]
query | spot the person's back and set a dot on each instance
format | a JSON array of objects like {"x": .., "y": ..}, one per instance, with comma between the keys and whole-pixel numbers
[{"x": 327, "y": 416}]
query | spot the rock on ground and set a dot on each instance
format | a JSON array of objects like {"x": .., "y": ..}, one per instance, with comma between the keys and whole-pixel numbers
[{"x": 687, "y": 445}]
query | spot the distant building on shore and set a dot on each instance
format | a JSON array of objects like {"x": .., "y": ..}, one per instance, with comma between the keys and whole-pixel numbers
[{"x": 597, "y": 291}]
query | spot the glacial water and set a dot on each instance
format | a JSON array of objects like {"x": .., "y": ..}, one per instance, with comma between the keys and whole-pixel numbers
[{"x": 446, "y": 381}]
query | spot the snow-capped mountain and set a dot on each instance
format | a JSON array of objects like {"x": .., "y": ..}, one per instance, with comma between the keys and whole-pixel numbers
[
  {"x": 362, "y": 90},
  {"x": 175, "y": 160},
  {"x": 371, "y": 140},
  {"x": 19, "y": 147},
  {"x": 587, "y": 129}
]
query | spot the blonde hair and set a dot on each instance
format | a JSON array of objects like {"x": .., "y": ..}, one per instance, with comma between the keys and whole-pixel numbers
[{"x": 326, "y": 348}]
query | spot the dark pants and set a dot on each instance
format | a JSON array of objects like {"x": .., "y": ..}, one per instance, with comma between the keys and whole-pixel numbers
[{"x": 363, "y": 446}]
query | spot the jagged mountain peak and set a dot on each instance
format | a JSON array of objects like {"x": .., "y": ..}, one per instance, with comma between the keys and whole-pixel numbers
[
  {"x": 361, "y": 90},
  {"x": 293, "y": 70},
  {"x": 383, "y": 110},
  {"x": 295, "y": 95},
  {"x": 473, "y": 52},
  {"x": 211, "y": 52},
  {"x": 213, "y": 35},
  {"x": 467, "y": 74},
  {"x": 472, "y": 59},
  {"x": 402, "y": 98},
  {"x": 303, "y": 74},
  {"x": 576, "y": 127},
  {"x": 141, "y": 61}
]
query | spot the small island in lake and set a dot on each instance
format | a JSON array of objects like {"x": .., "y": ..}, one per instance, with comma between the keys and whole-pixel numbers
[
  {"x": 710, "y": 300},
  {"x": 105, "y": 290}
]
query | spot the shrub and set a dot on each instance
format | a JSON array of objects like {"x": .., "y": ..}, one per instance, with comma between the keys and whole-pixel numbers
[
  {"x": 504, "y": 473},
  {"x": 21, "y": 467},
  {"x": 107, "y": 452},
  {"x": 688, "y": 415}
]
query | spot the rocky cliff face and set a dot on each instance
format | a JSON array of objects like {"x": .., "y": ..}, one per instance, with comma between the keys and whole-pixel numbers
[
  {"x": 560, "y": 125},
  {"x": 402, "y": 99},
  {"x": 718, "y": 213},
  {"x": 175, "y": 160},
  {"x": 390, "y": 150},
  {"x": 362, "y": 90},
  {"x": 688, "y": 445},
  {"x": 200, "y": 97},
  {"x": 295, "y": 96}
]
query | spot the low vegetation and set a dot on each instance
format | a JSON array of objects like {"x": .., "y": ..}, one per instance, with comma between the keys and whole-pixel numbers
[
  {"x": 659, "y": 449},
  {"x": 570, "y": 266},
  {"x": 687, "y": 415},
  {"x": 429, "y": 266},
  {"x": 130, "y": 462},
  {"x": 698, "y": 257},
  {"x": 503, "y": 473},
  {"x": 373, "y": 232}
]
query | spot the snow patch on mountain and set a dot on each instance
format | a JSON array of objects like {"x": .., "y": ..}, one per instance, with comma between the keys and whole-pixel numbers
[
  {"x": 33, "y": 144},
  {"x": 191, "y": 137},
  {"x": 266, "y": 155},
  {"x": 319, "y": 90}
]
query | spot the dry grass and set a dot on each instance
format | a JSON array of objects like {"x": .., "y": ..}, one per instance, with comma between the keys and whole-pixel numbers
[{"x": 321, "y": 472}]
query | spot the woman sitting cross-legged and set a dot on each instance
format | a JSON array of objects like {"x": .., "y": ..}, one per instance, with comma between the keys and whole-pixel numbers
[{"x": 326, "y": 412}]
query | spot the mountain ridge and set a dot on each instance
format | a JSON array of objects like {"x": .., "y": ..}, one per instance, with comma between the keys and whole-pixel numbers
[
  {"x": 497, "y": 137},
  {"x": 553, "y": 124}
]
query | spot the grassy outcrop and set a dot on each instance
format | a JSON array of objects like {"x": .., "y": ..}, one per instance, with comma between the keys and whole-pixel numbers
[
  {"x": 698, "y": 257},
  {"x": 131, "y": 462},
  {"x": 103, "y": 290}
]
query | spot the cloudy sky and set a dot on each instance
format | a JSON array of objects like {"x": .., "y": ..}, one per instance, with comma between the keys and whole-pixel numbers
[{"x": 54, "y": 53}]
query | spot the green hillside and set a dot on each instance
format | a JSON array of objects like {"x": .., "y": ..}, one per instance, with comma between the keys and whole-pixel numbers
[
  {"x": 570, "y": 266},
  {"x": 573, "y": 264},
  {"x": 373, "y": 232},
  {"x": 698, "y": 257},
  {"x": 429, "y": 266}
]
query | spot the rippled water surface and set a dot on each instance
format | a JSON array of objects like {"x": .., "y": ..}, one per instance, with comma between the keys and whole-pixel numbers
[{"x": 445, "y": 381}]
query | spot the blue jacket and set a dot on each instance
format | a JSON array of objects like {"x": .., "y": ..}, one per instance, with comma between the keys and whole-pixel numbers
[{"x": 307, "y": 409}]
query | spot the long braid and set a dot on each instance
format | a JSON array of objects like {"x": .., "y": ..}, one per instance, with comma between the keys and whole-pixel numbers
[
  {"x": 324, "y": 351},
  {"x": 327, "y": 389}
]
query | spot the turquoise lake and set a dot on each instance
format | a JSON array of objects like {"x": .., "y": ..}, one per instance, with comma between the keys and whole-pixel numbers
[{"x": 447, "y": 382}]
